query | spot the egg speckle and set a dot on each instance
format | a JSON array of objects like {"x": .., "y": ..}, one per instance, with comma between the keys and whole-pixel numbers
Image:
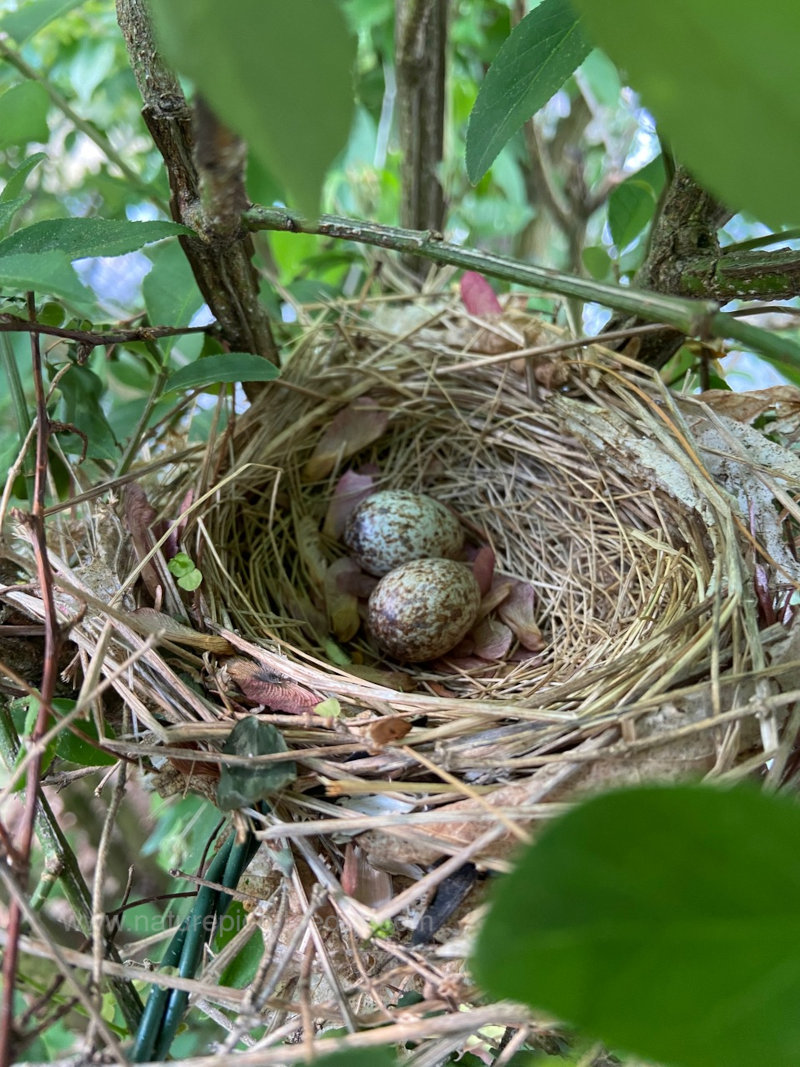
[
  {"x": 421, "y": 610},
  {"x": 395, "y": 526}
]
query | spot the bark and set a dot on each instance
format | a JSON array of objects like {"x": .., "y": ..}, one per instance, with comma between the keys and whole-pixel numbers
[
  {"x": 420, "y": 41},
  {"x": 205, "y": 165}
]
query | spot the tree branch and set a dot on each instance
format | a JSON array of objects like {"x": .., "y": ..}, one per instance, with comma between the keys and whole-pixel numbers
[
  {"x": 693, "y": 318},
  {"x": 206, "y": 192},
  {"x": 420, "y": 42}
]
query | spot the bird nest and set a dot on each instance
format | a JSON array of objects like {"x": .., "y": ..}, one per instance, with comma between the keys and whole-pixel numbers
[{"x": 650, "y": 538}]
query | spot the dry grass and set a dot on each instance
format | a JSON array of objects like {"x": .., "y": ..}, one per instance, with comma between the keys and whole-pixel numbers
[{"x": 630, "y": 512}]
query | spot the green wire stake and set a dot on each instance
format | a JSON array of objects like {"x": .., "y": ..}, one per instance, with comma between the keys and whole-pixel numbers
[{"x": 165, "y": 1007}]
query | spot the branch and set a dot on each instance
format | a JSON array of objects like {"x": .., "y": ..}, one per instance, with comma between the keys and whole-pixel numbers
[
  {"x": 421, "y": 37},
  {"x": 220, "y": 256},
  {"x": 91, "y": 338},
  {"x": 693, "y": 318},
  {"x": 746, "y": 275}
]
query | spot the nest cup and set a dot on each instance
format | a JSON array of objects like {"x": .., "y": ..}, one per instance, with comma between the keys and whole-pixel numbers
[
  {"x": 615, "y": 564},
  {"x": 628, "y": 509}
]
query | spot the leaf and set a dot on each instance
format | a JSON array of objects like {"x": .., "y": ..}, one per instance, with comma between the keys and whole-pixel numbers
[
  {"x": 262, "y": 686},
  {"x": 48, "y": 272},
  {"x": 23, "y": 114},
  {"x": 597, "y": 261},
  {"x": 349, "y": 492},
  {"x": 534, "y": 62},
  {"x": 709, "y": 72},
  {"x": 279, "y": 74},
  {"x": 242, "y": 786},
  {"x": 661, "y": 920},
  {"x": 71, "y": 746},
  {"x": 170, "y": 291},
  {"x": 518, "y": 611},
  {"x": 241, "y": 971},
  {"x": 351, "y": 429},
  {"x": 477, "y": 295},
  {"x": 81, "y": 390},
  {"x": 80, "y": 238},
  {"x": 229, "y": 367},
  {"x": 632, "y": 203},
  {"x": 34, "y": 16}
]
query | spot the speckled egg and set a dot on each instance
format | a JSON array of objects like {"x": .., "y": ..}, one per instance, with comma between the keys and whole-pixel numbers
[
  {"x": 421, "y": 610},
  {"x": 395, "y": 526}
]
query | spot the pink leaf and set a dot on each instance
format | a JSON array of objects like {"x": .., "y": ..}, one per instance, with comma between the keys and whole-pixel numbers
[
  {"x": 350, "y": 490},
  {"x": 517, "y": 611},
  {"x": 262, "y": 686},
  {"x": 492, "y": 639},
  {"x": 351, "y": 429},
  {"x": 483, "y": 568},
  {"x": 478, "y": 296}
]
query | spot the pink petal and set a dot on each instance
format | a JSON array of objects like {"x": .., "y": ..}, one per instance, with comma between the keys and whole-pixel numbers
[
  {"x": 350, "y": 490},
  {"x": 478, "y": 296}
]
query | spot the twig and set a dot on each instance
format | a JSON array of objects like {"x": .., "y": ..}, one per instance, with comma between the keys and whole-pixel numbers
[
  {"x": 693, "y": 318},
  {"x": 14, "y": 324},
  {"x": 52, "y": 642}
]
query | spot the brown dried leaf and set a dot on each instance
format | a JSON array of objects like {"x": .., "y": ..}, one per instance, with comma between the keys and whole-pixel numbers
[
  {"x": 150, "y": 621},
  {"x": 744, "y": 407},
  {"x": 350, "y": 490},
  {"x": 388, "y": 730},
  {"x": 309, "y": 546},
  {"x": 351, "y": 429},
  {"x": 262, "y": 686},
  {"x": 139, "y": 517},
  {"x": 517, "y": 611},
  {"x": 341, "y": 604}
]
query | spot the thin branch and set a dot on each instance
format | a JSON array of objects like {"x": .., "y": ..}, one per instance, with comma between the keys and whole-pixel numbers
[
  {"x": 102, "y": 142},
  {"x": 220, "y": 255},
  {"x": 15, "y": 324},
  {"x": 52, "y": 643},
  {"x": 692, "y": 318}
]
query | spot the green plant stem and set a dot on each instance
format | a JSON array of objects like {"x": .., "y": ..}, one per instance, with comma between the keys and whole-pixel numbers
[
  {"x": 694, "y": 318},
  {"x": 15, "y": 60},
  {"x": 58, "y": 856},
  {"x": 763, "y": 242},
  {"x": 132, "y": 448}
]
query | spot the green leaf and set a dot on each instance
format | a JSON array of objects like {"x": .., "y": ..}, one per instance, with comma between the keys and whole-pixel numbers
[
  {"x": 720, "y": 79},
  {"x": 242, "y": 786},
  {"x": 534, "y": 62},
  {"x": 242, "y": 968},
  {"x": 229, "y": 367},
  {"x": 597, "y": 261},
  {"x": 13, "y": 188},
  {"x": 45, "y": 272},
  {"x": 170, "y": 291},
  {"x": 23, "y": 114},
  {"x": 632, "y": 203},
  {"x": 279, "y": 74},
  {"x": 79, "y": 238},
  {"x": 70, "y": 746},
  {"x": 661, "y": 920},
  {"x": 34, "y": 16},
  {"x": 81, "y": 390}
]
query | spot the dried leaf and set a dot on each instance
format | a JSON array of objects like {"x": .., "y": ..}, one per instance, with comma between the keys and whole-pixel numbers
[
  {"x": 517, "y": 611},
  {"x": 351, "y": 429},
  {"x": 139, "y": 517},
  {"x": 500, "y": 589},
  {"x": 492, "y": 639},
  {"x": 363, "y": 882},
  {"x": 350, "y": 490},
  {"x": 388, "y": 730},
  {"x": 483, "y": 568},
  {"x": 309, "y": 546},
  {"x": 744, "y": 407},
  {"x": 150, "y": 621},
  {"x": 342, "y": 606},
  {"x": 262, "y": 686}
]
